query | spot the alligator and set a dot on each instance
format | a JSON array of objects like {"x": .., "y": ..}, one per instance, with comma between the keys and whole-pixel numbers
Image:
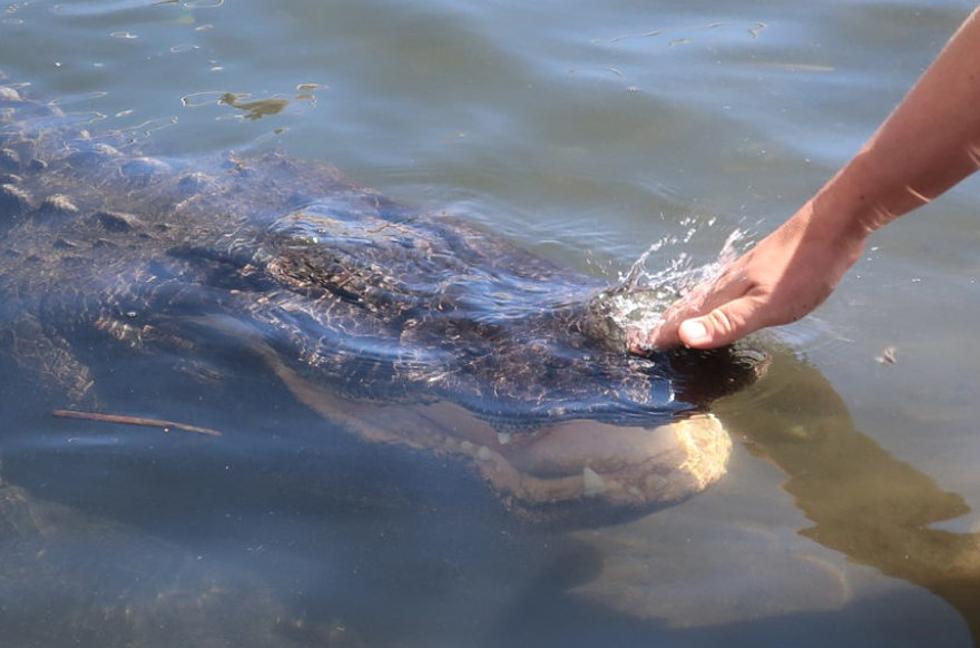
[{"x": 402, "y": 327}]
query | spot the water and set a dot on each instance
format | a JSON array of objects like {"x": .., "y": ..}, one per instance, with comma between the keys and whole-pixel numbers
[{"x": 584, "y": 135}]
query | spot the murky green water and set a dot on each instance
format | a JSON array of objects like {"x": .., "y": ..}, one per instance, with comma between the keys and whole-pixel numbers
[{"x": 585, "y": 132}]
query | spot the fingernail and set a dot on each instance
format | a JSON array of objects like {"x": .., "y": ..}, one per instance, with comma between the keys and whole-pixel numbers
[{"x": 694, "y": 331}]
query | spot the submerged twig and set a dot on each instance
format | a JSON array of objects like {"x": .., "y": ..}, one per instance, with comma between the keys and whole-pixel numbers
[{"x": 134, "y": 420}]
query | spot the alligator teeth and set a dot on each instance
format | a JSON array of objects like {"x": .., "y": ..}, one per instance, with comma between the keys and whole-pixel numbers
[{"x": 593, "y": 482}]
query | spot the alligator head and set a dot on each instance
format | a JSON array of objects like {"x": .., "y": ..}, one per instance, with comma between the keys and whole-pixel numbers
[
  {"x": 483, "y": 350},
  {"x": 406, "y": 328}
]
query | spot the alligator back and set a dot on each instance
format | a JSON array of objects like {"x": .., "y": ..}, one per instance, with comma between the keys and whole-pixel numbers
[{"x": 406, "y": 328}]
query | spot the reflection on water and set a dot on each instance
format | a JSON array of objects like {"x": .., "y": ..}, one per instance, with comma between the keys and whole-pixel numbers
[{"x": 862, "y": 501}]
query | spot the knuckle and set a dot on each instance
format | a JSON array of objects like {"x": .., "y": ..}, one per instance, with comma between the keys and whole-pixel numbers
[{"x": 722, "y": 322}]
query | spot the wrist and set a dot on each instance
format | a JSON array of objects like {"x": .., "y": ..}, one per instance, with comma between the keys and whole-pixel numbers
[
  {"x": 847, "y": 209},
  {"x": 832, "y": 225}
]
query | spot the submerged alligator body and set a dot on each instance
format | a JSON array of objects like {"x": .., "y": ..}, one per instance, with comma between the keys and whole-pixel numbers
[{"x": 403, "y": 328}]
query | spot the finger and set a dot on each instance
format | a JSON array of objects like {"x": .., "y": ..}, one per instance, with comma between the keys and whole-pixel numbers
[
  {"x": 723, "y": 325},
  {"x": 665, "y": 335},
  {"x": 697, "y": 303}
]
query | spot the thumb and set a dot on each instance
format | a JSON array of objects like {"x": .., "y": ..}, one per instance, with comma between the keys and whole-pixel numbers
[{"x": 722, "y": 326}]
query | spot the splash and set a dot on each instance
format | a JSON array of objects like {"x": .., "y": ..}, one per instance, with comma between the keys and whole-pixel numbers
[{"x": 635, "y": 306}]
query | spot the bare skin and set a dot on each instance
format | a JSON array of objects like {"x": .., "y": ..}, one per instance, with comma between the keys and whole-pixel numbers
[{"x": 928, "y": 144}]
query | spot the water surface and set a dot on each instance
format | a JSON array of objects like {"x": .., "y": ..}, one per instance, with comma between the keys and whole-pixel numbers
[{"x": 584, "y": 133}]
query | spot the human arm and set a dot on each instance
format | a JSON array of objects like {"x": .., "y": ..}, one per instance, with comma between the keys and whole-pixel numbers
[{"x": 929, "y": 143}]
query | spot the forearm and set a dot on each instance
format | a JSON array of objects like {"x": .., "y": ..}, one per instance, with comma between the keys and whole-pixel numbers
[{"x": 928, "y": 144}]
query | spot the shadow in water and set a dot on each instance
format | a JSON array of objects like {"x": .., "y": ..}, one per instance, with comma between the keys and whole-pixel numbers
[{"x": 863, "y": 502}]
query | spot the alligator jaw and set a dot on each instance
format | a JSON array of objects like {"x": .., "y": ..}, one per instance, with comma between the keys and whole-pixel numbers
[{"x": 568, "y": 463}]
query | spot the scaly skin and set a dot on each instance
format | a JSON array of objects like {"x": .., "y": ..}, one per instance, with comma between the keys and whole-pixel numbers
[{"x": 465, "y": 344}]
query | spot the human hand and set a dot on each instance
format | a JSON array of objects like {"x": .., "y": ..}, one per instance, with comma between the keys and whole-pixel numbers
[{"x": 781, "y": 279}]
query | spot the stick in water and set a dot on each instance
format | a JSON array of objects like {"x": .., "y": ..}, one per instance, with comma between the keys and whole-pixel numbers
[{"x": 134, "y": 420}]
